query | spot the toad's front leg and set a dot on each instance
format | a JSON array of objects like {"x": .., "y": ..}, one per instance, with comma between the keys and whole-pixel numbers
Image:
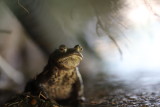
[{"x": 79, "y": 88}]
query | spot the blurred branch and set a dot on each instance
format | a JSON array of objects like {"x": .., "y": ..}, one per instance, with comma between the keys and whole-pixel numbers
[
  {"x": 149, "y": 5},
  {"x": 13, "y": 74},
  {"x": 107, "y": 33},
  {"x": 5, "y": 31},
  {"x": 99, "y": 23}
]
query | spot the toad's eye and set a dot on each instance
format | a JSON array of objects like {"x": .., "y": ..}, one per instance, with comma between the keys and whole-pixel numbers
[
  {"x": 78, "y": 48},
  {"x": 62, "y": 48}
]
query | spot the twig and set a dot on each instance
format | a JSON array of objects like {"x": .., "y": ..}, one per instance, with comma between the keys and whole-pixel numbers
[
  {"x": 12, "y": 104},
  {"x": 23, "y": 7}
]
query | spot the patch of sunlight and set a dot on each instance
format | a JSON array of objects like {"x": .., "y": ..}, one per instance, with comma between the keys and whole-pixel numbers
[{"x": 141, "y": 59}]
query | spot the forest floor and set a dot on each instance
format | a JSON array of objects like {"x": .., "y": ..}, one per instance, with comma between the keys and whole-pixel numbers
[{"x": 109, "y": 92}]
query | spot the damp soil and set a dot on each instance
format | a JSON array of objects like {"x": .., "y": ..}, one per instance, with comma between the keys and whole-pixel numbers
[{"x": 103, "y": 91}]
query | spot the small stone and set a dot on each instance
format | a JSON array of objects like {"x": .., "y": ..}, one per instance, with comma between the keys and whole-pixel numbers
[{"x": 33, "y": 101}]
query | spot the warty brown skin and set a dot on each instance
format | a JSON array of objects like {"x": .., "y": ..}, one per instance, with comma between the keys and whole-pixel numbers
[{"x": 60, "y": 80}]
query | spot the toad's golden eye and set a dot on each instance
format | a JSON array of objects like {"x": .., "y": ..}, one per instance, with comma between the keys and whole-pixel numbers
[
  {"x": 63, "y": 48},
  {"x": 78, "y": 48}
]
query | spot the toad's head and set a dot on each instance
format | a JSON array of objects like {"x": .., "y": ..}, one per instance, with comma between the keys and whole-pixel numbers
[{"x": 67, "y": 58}]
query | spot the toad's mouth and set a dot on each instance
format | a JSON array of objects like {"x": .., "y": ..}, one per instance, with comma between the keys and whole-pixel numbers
[
  {"x": 70, "y": 61},
  {"x": 71, "y": 57}
]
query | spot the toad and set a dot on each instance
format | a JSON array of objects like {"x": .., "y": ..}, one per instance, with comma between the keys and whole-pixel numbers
[{"x": 60, "y": 80}]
